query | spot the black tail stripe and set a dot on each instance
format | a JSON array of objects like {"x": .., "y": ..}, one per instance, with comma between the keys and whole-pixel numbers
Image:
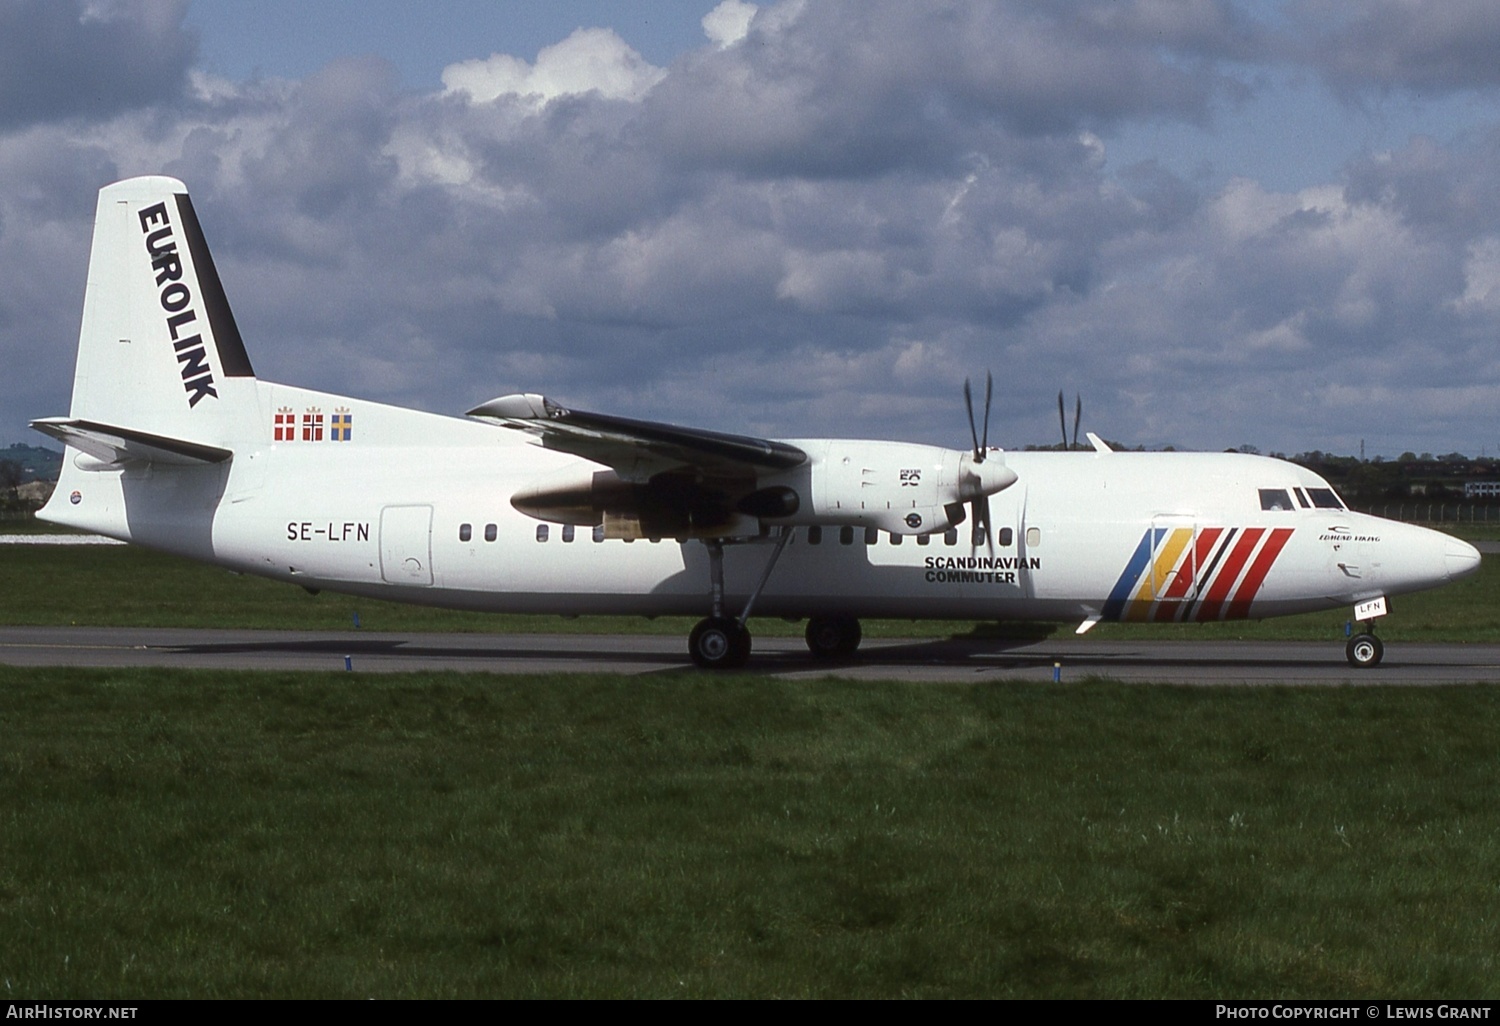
[{"x": 232, "y": 356}]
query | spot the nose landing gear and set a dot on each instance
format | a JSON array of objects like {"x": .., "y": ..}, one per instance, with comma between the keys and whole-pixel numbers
[{"x": 1364, "y": 650}]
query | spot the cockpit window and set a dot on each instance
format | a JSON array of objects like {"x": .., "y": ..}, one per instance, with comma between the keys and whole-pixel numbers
[
  {"x": 1275, "y": 499},
  {"x": 1324, "y": 498}
]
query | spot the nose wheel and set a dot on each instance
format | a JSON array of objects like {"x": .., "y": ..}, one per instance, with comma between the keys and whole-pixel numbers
[{"x": 1364, "y": 651}]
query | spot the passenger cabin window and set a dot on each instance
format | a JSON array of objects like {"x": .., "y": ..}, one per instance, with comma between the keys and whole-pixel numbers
[
  {"x": 895, "y": 539},
  {"x": 1007, "y": 536},
  {"x": 599, "y": 533},
  {"x": 567, "y": 532},
  {"x": 950, "y": 536},
  {"x": 541, "y": 532},
  {"x": 465, "y": 532},
  {"x": 1275, "y": 499},
  {"x": 846, "y": 535},
  {"x": 815, "y": 535},
  {"x": 872, "y": 535},
  {"x": 924, "y": 539},
  {"x": 490, "y": 532},
  {"x": 1325, "y": 498}
]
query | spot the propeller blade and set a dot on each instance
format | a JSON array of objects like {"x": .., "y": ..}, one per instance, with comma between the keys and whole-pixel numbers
[
  {"x": 969, "y": 405},
  {"x": 1077, "y": 416},
  {"x": 984, "y": 439},
  {"x": 1062, "y": 418},
  {"x": 982, "y": 532}
]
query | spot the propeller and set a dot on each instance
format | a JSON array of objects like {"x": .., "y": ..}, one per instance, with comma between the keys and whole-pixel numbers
[
  {"x": 989, "y": 389},
  {"x": 1062, "y": 418},
  {"x": 979, "y": 482}
]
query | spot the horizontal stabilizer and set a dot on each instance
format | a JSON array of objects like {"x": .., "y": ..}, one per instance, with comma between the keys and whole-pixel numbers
[{"x": 111, "y": 444}]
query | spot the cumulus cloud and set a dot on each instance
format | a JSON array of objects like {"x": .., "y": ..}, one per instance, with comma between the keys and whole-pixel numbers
[
  {"x": 846, "y": 88},
  {"x": 728, "y": 23},
  {"x": 820, "y": 221},
  {"x": 589, "y": 60},
  {"x": 1428, "y": 45},
  {"x": 90, "y": 59}
]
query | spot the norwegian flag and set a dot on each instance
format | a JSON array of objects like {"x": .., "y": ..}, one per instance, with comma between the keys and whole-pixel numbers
[
  {"x": 286, "y": 425},
  {"x": 312, "y": 425}
]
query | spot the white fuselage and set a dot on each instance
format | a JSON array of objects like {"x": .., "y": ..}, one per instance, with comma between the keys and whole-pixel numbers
[{"x": 416, "y": 507}]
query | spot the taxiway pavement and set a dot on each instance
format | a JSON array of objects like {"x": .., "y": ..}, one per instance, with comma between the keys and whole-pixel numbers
[{"x": 1184, "y": 662}]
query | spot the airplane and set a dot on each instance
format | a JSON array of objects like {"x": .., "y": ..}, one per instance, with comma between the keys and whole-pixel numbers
[{"x": 529, "y": 506}]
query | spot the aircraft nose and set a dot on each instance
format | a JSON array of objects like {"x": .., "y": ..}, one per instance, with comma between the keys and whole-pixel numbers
[{"x": 1461, "y": 557}]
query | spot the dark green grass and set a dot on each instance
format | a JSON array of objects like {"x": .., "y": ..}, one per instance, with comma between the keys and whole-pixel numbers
[
  {"x": 30, "y": 525},
  {"x": 129, "y": 586},
  {"x": 175, "y": 834}
]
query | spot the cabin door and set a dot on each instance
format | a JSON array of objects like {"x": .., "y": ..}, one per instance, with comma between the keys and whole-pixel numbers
[
  {"x": 1175, "y": 576},
  {"x": 406, "y": 545}
]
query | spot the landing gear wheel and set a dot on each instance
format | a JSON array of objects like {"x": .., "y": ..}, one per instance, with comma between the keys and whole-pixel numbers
[
  {"x": 1364, "y": 651},
  {"x": 833, "y": 637},
  {"x": 719, "y": 643}
]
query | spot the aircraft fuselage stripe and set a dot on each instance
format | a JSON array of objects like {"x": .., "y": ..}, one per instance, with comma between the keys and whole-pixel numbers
[
  {"x": 1186, "y": 580},
  {"x": 1223, "y": 583},
  {"x": 1239, "y": 608},
  {"x": 1114, "y": 606},
  {"x": 1175, "y": 576}
]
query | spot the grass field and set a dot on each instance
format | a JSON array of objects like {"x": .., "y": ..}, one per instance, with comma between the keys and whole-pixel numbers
[
  {"x": 178, "y": 834},
  {"x": 175, "y": 834}
]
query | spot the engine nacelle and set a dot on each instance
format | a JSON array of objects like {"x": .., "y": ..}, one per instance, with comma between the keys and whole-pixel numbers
[
  {"x": 897, "y": 487},
  {"x": 666, "y": 506}
]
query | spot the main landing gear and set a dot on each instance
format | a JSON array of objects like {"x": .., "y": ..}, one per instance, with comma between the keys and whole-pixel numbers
[
  {"x": 832, "y": 637},
  {"x": 719, "y": 642},
  {"x": 722, "y": 642},
  {"x": 1364, "y": 649}
]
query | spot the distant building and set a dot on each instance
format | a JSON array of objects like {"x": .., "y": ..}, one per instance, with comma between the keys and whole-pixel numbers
[{"x": 1481, "y": 489}]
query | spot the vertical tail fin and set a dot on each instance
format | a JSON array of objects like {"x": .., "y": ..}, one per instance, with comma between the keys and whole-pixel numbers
[
  {"x": 163, "y": 394},
  {"x": 159, "y": 351}
]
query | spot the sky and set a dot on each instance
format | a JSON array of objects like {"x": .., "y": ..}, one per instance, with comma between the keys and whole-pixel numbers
[{"x": 1220, "y": 223}]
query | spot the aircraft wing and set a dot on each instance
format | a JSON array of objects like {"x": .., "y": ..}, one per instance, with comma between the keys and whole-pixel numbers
[{"x": 630, "y": 446}]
